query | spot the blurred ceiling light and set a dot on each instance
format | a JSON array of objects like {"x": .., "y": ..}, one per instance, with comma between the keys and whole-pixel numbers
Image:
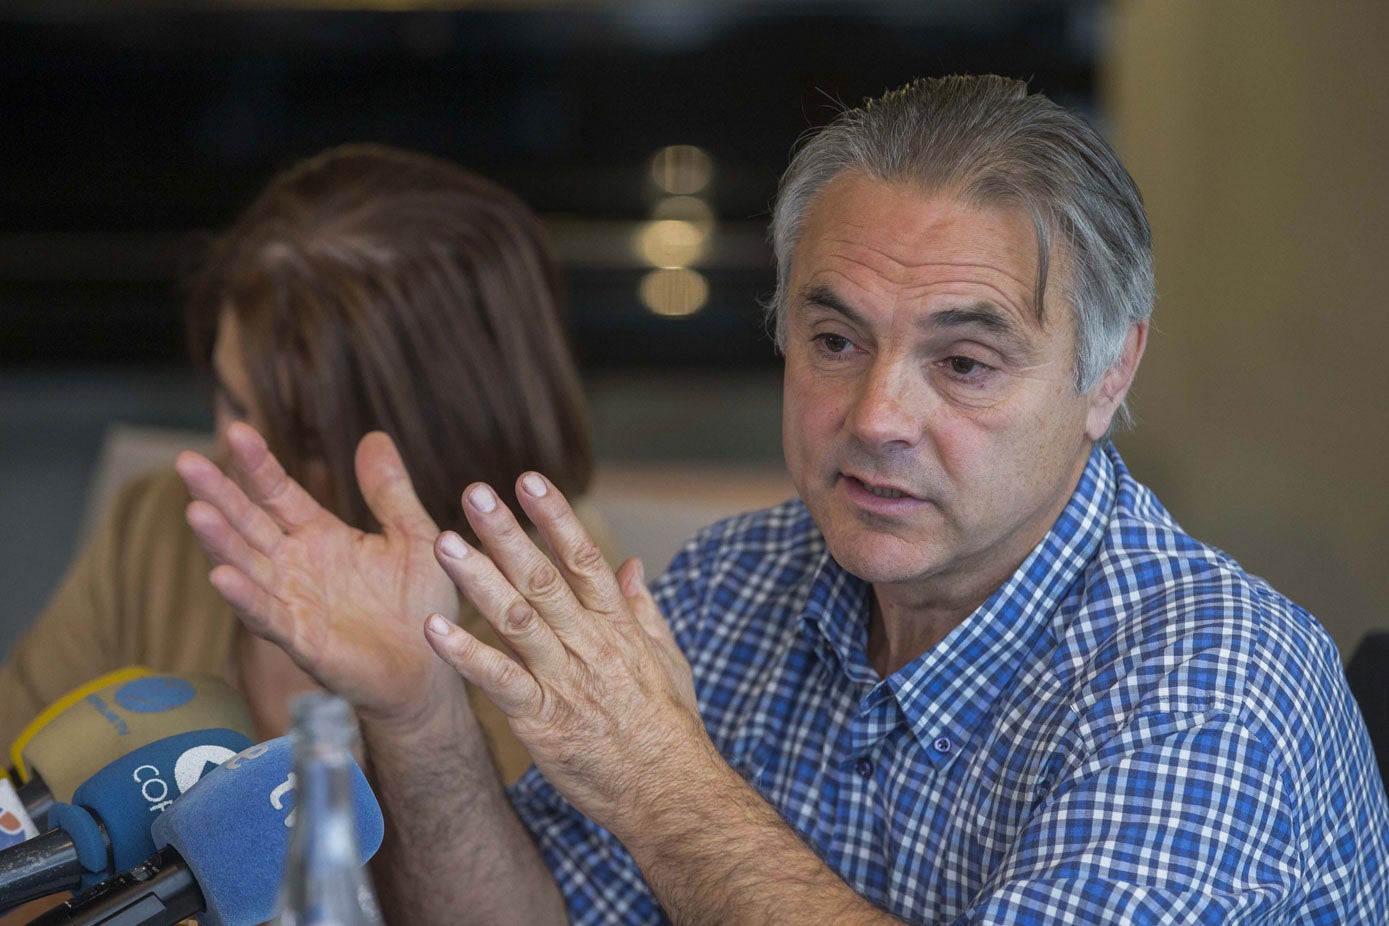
[
  {"x": 690, "y": 209},
  {"x": 674, "y": 292},
  {"x": 681, "y": 169},
  {"x": 670, "y": 243}
]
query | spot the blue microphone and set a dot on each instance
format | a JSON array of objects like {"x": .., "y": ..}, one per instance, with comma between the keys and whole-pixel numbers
[
  {"x": 106, "y": 828},
  {"x": 222, "y": 849},
  {"x": 129, "y": 794}
]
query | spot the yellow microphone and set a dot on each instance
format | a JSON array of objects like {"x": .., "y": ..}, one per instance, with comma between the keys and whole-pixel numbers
[{"x": 132, "y": 709}]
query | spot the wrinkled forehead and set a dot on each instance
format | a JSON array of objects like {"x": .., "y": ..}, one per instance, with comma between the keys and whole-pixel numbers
[
  {"x": 1051, "y": 296},
  {"x": 906, "y": 221}
]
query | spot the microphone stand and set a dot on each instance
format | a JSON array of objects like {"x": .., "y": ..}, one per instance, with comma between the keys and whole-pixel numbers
[
  {"x": 159, "y": 891},
  {"x": 37, "y": 867}
]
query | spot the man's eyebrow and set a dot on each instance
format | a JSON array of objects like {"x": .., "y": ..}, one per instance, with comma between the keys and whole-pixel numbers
[
  {"x": 983, "y": 314},
  {"x": 821, "y": 295}
]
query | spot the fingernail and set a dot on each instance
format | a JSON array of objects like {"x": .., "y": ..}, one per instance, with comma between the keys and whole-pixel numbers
[
  {"x": 483, "y": 499},
  {"x": 453, "y": 545},
  {"x": 438, "y": 625},
  {"x": 534, "y": 485},
  {"x": 641, "y": 573}
]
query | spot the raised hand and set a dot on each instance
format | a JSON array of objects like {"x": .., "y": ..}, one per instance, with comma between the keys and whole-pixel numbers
[
  {"x": 346, "y": 605},
  {"x": 594, "y": 685}
]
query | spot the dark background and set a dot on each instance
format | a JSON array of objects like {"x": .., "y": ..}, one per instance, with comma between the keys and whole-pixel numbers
[{"x": 129, "y": 133}]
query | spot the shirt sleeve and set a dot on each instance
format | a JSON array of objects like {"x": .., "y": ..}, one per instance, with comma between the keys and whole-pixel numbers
[
  {"x": 598, "y": 878},
  {"x": 137, "y": 594},
  {"x": 76, "y": 637},
  {"x": 1178, "y": 817}
]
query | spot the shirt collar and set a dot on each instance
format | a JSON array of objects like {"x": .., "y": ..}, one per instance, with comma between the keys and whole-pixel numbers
[
  {"x": 835, "y": 617},
  {"x": 945, "y": 693}
]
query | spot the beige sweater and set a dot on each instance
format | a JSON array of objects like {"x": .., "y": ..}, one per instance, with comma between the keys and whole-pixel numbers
[{"x": 138, "y": 595}]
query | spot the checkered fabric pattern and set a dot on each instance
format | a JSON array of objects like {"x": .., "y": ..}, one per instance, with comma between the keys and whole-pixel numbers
[{"x": 1131, "y": 730}]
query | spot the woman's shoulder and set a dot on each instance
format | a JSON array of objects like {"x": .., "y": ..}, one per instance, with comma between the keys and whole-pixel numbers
[
  {"x": 153, "y": 571},
  {"x": 149, "y": 502}
]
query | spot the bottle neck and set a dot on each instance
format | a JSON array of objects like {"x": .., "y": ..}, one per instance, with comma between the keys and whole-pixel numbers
[
  {"x": 324, "y": 826},
  {"x": 324, "y": 882}
]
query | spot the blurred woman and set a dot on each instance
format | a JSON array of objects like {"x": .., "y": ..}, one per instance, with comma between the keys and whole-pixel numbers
[{"x": 365, "y": 289}]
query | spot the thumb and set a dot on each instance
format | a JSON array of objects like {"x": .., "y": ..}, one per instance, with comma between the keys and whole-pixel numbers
[{"x": 387, "y": 488}]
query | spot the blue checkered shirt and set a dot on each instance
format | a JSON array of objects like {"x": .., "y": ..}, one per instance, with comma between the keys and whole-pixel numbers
[{"x": 1131, "y": 730}]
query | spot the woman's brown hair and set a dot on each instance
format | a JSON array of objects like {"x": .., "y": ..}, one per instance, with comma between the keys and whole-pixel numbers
[{"x": 378, "y": 289}]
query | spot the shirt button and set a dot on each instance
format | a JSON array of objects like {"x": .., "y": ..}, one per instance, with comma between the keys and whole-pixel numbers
[
  {"x": 943, "y": 744},
  {"x": 864, "y": 766}
]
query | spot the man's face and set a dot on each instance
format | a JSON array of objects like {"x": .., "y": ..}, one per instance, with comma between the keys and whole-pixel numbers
[{"x": 931, "y": 423}]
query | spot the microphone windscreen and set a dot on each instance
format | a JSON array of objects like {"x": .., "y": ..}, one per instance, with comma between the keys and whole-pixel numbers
[
  {"x": 233, "y": 831},
  {"x": 81, "y": 827},
  {"x": 129, "y": 794},
  {"x": 120, "y": 718},
  {"x": 53, "y": 710},
  {"x": 15, "y": 822}
]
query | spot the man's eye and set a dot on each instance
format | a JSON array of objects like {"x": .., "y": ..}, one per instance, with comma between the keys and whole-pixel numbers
[
  {"x": 965, "y": 366},
  {"x": 833, "y": 343}
]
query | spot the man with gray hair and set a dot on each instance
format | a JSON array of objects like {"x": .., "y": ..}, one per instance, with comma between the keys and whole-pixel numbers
[{"x": 974, "y": 673}]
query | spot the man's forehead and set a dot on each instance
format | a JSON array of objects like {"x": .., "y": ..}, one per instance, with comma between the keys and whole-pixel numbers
[{"x": 854, "y": 215}]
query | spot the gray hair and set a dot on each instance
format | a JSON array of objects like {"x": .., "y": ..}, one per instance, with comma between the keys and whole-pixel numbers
[{"x": 986, "y": 140}]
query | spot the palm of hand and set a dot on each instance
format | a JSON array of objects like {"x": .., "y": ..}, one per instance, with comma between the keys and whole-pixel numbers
[
  {"x": 352, "y": 604},
  {"x": 346, "y": 605}
]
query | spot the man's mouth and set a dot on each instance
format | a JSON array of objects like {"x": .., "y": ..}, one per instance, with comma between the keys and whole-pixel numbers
[{"x": 879, "y": 491}]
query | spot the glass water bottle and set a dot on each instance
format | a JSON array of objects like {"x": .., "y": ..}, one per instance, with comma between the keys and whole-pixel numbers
[{"x": 324, "y": 884}]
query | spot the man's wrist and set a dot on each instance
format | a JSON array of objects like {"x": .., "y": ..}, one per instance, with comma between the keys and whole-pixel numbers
[
  {"x": 439, "y": 713},
  {"x": 679, "y": 798}
]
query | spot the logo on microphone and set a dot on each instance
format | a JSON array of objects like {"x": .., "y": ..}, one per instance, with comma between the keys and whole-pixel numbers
[
  {"x": 283, "y": 790},
  {"x": 154, "y": 693},
  {"x": 15, "y": 826},
  {"x": 197, "y": 762},
  {"x": 11, "y": 830}
]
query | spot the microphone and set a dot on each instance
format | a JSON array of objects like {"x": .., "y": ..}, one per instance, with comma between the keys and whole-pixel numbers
[
  {"x": 161, "y": 890},
  {"x": 53, "y": 861},
  {"x": 222, "y": 849},
  {"x": 21, "y": 774},
  {"x": 37, "y": 800},
  {"x": 64, "y": 749},
  {"x": 16, "y": 825},
  {"x": 106, "y": 828}
]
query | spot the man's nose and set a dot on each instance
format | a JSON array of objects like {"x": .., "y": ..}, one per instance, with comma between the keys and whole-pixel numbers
[{"x": 888, "y": 408}]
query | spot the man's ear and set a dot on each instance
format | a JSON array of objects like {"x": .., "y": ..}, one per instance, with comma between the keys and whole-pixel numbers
[{"x": 1114, "y": 385}]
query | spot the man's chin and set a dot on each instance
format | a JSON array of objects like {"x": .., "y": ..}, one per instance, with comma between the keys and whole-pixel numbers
[{"x": 881, "y": 560}]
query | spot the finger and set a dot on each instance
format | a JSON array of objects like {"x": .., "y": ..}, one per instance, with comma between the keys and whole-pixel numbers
[
  {"x": 210, "y": 485},
  {"x": 525, "y": 566},
  {"x": 387, "y": 488},
  {"x": 575, "y": 552},
  {"x": 265, "y": 481},
  {"x": 224, "y": 544},
  {"x": 511, "y": 688},
  {"x": 514, "y": 618},
  {"x": 258, "y": 610}
]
